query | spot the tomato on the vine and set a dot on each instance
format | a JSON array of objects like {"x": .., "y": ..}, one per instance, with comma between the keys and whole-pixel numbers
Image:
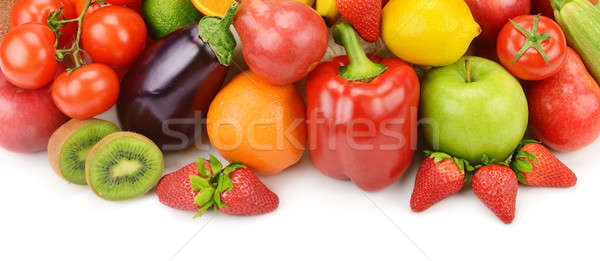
[
  {"x": 532, "y": 47},
  {"x": 114, "y": 35},
  {"x": 87, "y": 91},
  {"x": 27, "y": 11},
  {"x": 27, "y": 56}
]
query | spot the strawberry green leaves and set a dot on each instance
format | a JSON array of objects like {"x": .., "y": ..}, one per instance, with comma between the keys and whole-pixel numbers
[
  {"x": 521, "y": 161},
  {"x": 210, "y": 186},
  {"x": 462, "y": 164}
]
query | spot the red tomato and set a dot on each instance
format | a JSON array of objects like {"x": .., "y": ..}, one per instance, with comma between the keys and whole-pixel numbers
[
  {"x": 114, "y": 35},
  {"x": 531, "y": 65},
  {"x": 27, "y": 56},
  {"x": 86, "y": 91},
  {"x": 26, "y": 11}
]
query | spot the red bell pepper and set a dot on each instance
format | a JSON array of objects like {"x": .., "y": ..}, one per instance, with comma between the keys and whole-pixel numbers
[{"x": 362, "y": 115}]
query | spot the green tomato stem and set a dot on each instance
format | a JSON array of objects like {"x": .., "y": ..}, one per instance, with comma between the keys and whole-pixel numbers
[
  {"x": 534, "y": 39},
  {"x": 360, "y": 67},
  {"x": 75, "y": 49}
]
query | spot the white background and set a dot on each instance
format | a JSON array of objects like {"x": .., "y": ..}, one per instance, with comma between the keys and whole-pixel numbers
[{"x": 45, "y": 218}]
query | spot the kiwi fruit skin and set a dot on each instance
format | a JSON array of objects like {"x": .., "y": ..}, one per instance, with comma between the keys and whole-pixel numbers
[
  {"x": 106, "y": 141},
  {"x": 61, "y": 136}
]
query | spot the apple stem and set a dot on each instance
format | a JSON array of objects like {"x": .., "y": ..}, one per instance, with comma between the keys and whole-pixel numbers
[{"x": 468, "y": 70}]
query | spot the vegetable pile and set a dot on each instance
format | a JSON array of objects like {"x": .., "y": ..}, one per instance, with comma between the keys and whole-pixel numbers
[{"x": 492, "y": 88}]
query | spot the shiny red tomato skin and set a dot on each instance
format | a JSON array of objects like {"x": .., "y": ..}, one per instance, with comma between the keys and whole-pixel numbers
[
  {"x": 282, "y": 41},
  {"x": 531, "y": 66},
  {"x": 564, "y": 110},
  {"x": 36, "y": 11},
  {"x": 27, "y": 56},
  {"x": 114, "y": 35},
  {"x": 86, "y": 91}
]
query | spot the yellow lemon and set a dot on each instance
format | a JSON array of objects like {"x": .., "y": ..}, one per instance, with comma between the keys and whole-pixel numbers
[{"x": 428, "y": 32}]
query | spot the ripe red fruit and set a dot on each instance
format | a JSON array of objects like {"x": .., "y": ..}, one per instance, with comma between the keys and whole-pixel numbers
[
  {"x": 496, "y": 186},
  {"x": 249, "y": 195},
  {"x": 37, "y": 11},
  {"x": 564, "y": 110},
  {"x": 175, "y": 190},
  {"x": 27, "y": 118},
  {"x": 439, "y": 177},
  {"x": 535, "y": 165},
  {"x": 235, "y": 189},
  {"x": 364, "y": 16}
]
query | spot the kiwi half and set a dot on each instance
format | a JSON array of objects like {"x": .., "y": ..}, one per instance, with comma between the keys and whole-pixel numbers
[
  {"x": 123, "y": 165},
  {"x": 70, "y": 144}
]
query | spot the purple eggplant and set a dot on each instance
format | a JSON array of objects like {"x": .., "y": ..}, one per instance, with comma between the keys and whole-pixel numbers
[{"x": 175, "y": 80}]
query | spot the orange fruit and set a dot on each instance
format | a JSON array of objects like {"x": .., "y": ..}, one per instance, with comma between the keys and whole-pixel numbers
[
  {"x": 212, "y": 7},
  {"x": 259, "y": 124}
]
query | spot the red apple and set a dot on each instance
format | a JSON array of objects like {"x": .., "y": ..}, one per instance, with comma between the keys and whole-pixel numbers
[
  {"x": 27, "y": 118},
  {"x": 491, "y": 15}
]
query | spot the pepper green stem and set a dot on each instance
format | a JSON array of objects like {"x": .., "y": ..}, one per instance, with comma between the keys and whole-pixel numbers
[
  {"x": 215, "y": 31},
  {"x": 360, "y": 67}
]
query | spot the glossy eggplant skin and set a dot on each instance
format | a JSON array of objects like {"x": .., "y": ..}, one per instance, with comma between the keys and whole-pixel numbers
[{"x": 170, "y": 85}]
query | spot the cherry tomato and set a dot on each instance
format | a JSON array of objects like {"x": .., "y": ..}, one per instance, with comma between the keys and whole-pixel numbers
[
  {"x": 26, "y": 11},
  {"x": 27, "y": 56},
  {"x": 87, "y": 91},
  {"x": 547, "y": 40},
  {"x": 114, "y": 35}
]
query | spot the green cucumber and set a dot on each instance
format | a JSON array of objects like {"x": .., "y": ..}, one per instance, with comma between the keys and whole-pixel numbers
[{"x": 580, "y": 20}]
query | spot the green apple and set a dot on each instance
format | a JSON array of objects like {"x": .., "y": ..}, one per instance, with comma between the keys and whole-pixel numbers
[{"x": 473, "y": 108}]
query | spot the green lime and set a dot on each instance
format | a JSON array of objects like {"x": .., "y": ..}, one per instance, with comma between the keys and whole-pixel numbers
[{"x": 165, "y": 16}]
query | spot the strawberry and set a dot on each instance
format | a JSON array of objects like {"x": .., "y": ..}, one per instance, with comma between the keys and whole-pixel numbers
[
  {"x": 496, "y": 186},
  {"x": 235, "y": 189},
  {"x": 363, "y": 15},
  {"x": 439, "y": 177},
  {"x": 175, "y": 189},
  {"x": 535, "y": 165},
  {"x": 249, "y": 195}
]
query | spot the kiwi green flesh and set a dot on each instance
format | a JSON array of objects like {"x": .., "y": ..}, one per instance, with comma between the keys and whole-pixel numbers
[
  {"x": 76, "y": 148},
  {"x": 125, "y": 168}
]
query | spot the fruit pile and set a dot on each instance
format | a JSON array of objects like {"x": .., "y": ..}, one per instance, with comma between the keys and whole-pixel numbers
[{"x": 471, "y": 77}]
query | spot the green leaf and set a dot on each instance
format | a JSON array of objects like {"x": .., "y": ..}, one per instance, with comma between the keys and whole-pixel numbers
[
  {"x": 204, "y": 209},
  {"x": 204, "y": 196},
  {"x": 223, "y": 185},
  {"x": 198, "y": 183},
  {"x": 439, "y": 156},
  {"x": 526, "y": 155},
  {"x": 202, "y": 168},
  {"x": 215, "y": 165},
  {"x": 486, "y": 160},
  {"x": 521, "y": 178},
  {"x": 523, "y": 166}
]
